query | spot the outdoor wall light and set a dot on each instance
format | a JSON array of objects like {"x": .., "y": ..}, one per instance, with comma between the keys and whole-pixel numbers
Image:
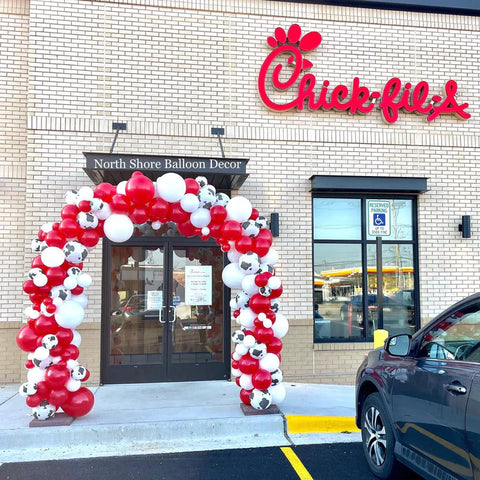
[
  {"x": 275, "y": 224},
  {"x": 117, "y": 127},
  {"x": 464, "y": 227},
  {"x": 218, "y": 132}
]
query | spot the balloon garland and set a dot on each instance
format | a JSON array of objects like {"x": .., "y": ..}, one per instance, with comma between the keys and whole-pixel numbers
[{"x": 56, "y": 283}]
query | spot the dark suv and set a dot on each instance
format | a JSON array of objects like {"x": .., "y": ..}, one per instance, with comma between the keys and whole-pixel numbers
[{"x": 418, "y": 399}]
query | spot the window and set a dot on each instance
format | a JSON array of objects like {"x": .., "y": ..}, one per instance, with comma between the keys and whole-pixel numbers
[
  {"x": 346, "y": 270},
  {"x": 455, "y": 338}
]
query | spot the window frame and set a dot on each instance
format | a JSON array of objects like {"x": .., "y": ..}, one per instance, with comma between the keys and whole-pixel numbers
[{"x": 368, "y": 336}]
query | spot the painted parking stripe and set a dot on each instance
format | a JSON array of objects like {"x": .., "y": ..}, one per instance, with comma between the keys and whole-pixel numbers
[
  {"x": 315, "y": 424},
  {"x": 296, "y": 463}
]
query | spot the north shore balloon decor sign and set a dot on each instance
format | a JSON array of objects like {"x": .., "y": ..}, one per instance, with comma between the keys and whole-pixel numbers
[{"x": 56, "y": 283}]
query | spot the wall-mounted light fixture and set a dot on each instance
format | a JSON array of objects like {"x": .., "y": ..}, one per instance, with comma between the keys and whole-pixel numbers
[
  {"x": 118, "y": 127},
  {"x": 275, "y": 224},
  {"x": 464, "y": 227},
  {"x": 218, "y": 132}
]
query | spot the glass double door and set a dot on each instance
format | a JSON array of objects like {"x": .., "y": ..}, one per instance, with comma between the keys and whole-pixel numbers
[{"x": 163, "y": 312}]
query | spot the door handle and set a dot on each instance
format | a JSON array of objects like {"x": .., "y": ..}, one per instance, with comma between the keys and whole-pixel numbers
[
  {"x": 160, "y": 315},
  {"x": 456, "y": 388},
  {"x": 174, "y": 313}
]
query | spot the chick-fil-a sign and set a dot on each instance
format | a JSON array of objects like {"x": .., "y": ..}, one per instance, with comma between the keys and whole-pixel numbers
[{"x": 392, "y": 98}]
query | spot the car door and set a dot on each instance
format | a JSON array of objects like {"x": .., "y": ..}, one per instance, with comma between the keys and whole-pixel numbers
[
  {"x": 430, "y": 393},
  {"x": 473, "y": 425}
]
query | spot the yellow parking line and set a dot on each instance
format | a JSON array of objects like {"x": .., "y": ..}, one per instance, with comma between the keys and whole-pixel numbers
[
  {"x": 296, "y": 463},
  {"x": 308, "y": 424}
]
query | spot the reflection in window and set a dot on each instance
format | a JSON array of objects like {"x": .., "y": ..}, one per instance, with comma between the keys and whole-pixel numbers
[{"x": 337, "y": 218}]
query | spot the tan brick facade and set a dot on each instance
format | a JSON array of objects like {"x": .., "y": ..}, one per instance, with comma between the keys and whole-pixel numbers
[{"x": 172, "y": 70}]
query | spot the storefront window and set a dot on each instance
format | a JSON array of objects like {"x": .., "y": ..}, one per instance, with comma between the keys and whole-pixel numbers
[{"x": 346, "y": 274}]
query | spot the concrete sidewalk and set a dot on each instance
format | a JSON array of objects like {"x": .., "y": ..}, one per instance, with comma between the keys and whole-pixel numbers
[{"x": 170, "y": 417}]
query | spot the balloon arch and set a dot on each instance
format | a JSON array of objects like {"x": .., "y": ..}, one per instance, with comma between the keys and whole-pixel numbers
[{"x": 56, "y": 283}]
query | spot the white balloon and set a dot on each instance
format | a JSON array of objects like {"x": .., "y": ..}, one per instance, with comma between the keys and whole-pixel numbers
[
  {"x": 274, "y": 283},
  {"x": 241, "y": 349},
  {"x": 73, "y": 385},
  {"x": 41, "y": 353},
  {"x": 53, "y": 257},
  {"x": 233, "y": 255},
  {"x": 36, "y": 375},
  {"x": 248, "y": 285},
  {"x": 200, "y": 218},
  {"x": 69, "y": 314},
  {"x": 40, "y": 280},
  {"x": 189, "y": 202},
  {"x": 239, "y": 209},
  {"x": 271, "y": 257},
  {"x": 280, "y": 327},
  {"x": 249, "y": 341},
  {"x": 171, "y": 187},
  {"x": 236, "y": 356},
  {"x": 81, "y": 299},
  {"x": 84, "y": 280},
  {"x": 118, "y": 228},
  {"x": 156, "y": 225},
  {"x": 278, "y": 393},
  {"x": 70, "y": 283},
  {"x": 77, "y": 338},
  {"x": 236, "y": 372},
  {"x": 85, "y": 193},
  {"x": 270, "y": 362},
  {"x": 104, "y": 212},
  {"x": 205, "y": 231},
  {"x": 246, "y": 318},
  {"x": 121, "y": 187},
  {"x": 246, "y": 381},
  {"x": 31, "y": 313},
  {"x": 232, "y": 276}
]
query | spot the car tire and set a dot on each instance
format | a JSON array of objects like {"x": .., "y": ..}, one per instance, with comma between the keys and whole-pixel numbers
[{"x": 378, "y": 440}]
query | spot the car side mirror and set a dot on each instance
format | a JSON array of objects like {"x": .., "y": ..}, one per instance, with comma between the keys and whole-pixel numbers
[{"x": 398, "y": 345}]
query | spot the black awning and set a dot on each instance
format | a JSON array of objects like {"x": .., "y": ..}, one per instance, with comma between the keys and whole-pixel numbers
[
  {"x": 333, "y": 183},
  {"x": 222, "y": 173}
]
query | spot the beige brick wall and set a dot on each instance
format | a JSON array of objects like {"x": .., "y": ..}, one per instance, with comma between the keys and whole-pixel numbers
[{"x": 173, "y": 69}]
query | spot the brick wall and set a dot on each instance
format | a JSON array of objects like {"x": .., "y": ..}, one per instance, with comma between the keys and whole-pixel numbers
[{"x": 173, "y": 69}]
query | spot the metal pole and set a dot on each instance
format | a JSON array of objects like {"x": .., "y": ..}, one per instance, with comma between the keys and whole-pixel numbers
[{"x": 379, "y": 282}]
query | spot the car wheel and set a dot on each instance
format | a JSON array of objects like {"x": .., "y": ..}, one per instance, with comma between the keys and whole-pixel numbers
[{"x": 378, "y": 440}]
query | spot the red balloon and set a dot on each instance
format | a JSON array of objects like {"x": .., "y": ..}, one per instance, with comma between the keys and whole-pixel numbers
[
  {"x": 66, "y": 265},
  {"x": 139, "y": 214},
  {"x": 45, "y": 325},
  {"x": 37, "y": 263},
  {"x": 34, "y": 400},
  {"x": 105, "y": 191},
  {"x": 275, "y": 345},
  {"x": 57, "y": 397},
  {"x": 29, "y": 364},
  {"x": 237, "y": 381},
  {"x": 120, "y": 204},
  {"x": 263, "y": 335},
  {"x": 248, "y": 365},
  {"x": 245, "y": 396},
  {"x": 69, "y": 211},
  {"x": 27, "y": 339},
  {"x": 29, "y": 287},
  {"x": 64, "y": 335},
  {"x": 84, "y": 206},
  {"x": 277, "y": 292},
  {"x": 43, "y": 389},
  {"x": 266, "y": 234},
  {"x": 99, "y": 228},
  {"x": 55, "y": 239},
  {"x": 231, "y": 230},
  {"x": 178, "y": 215},
  {"x": 56, "y": 376},
  {"x": 254, "y": 214},
  {"x": 139, "y": 189},
  {"x": 215, "y": 230},
  {"x": 87, "y": 375},
  {"x": 69, "y": 228},
  {"x": 261, "y": 279},
  {"x": 159, "y": 210},
  {"x": 89, "y": 238},
  {"x": 261, "y": 246},
  {"x": 218, "y": 214},
  {"x": 71, "y": 352},
  {"x": 192, "y": 186},
  {"x": 187, "y": 229},
  {"x": 244, "y": 244},
  {"x": 261, "y": 379},
  {"x": 79, "y": 403},
  {"x": 259, "y": 303},
  {"x": 57, "y": 351}
]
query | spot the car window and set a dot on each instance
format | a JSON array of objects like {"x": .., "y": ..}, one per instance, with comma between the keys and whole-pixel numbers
[{"x": 456, "y": 337}]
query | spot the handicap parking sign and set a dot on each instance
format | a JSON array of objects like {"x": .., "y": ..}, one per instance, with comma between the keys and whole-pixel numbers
[{"x": 379, "y": 218}]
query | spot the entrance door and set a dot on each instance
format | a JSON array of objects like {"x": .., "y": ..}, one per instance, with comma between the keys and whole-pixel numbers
[{"x": 163, "y": 312}]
